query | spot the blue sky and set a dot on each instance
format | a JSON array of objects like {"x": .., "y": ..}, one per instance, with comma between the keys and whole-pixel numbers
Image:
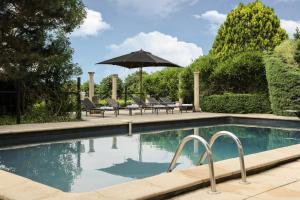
[{"x": 178, "y": 30}]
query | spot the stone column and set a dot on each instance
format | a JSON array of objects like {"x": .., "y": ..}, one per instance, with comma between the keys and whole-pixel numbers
[
  {"x": 196, "y": 92},
  {"x": 91, "y": 85},
  {"x": 114, "y": 86}
]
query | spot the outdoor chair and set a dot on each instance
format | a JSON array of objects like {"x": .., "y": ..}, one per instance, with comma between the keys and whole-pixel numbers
[
  {"x": 157, "y": 105},
  {"x": 114, "y": 104},
  {"x": 90, "y": 107},
  {"x": 186, "y": 107},
  {"x": 166, "y": 101},
  {"x": 142, "y": 105},
  {"x": 181, "y": 107},
  {"x": 296, "y": 112}
]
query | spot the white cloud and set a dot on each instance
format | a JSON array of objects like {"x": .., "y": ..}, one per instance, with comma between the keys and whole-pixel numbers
[
  {"x": 214, "y": 18},
  {"x": 286, "y": 0},
  {"x": 290, "y": 26},
  {"x": 92, "y": 24},
  {"x": 154, "y": 7},
  {"x": 162, "y": 45}
]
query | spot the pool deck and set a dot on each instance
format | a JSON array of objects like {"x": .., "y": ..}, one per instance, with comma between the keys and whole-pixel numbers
[
  {"x": 274, "y": 184},
  {"x": 124, "y": 118},
  {"x": 278, "y": 178}
]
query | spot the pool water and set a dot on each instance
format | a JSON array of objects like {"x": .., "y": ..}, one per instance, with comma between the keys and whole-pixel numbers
[{"x": 89, "y": 164}]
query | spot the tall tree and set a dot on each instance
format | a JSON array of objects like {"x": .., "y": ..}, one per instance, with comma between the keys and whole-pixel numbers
[
  {"x": 297, "y": 52},
  {"x": 297, "y": 34},
  {"x": 34, "y": 47},
  {"x": 29, "y": 27},
  {"x": 105, "y": 87},
  {"x": 252, "y": 27}
]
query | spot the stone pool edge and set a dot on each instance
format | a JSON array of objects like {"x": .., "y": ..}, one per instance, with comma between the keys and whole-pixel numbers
[{"x": 14, "y": 187}]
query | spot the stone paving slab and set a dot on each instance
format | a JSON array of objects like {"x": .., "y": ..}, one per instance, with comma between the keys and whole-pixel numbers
[
  {"x": 124, "y": 118},
  {"x": 274, "y": 184}
]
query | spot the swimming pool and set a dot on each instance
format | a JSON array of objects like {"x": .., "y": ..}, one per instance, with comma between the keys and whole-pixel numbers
[{"x": 91, "y": 163}]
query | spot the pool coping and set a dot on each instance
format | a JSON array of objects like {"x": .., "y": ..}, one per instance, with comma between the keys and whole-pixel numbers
[{"x": 161, "y": 186}]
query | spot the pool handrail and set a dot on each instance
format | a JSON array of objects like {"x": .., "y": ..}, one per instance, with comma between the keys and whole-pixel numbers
[
  {"x": 239, "y": 146},
  {"x": 208, "y": 153}
]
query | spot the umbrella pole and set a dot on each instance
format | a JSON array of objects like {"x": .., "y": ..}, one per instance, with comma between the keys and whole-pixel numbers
[{"x": 141, "y": 82}]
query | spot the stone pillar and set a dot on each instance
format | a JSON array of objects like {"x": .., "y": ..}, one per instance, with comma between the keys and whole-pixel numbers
[
  {"x": 196, "y": 92},
  {"x": 114, "y": 86},
  {"x": 196, "y": 143},
  {"x": 91, "y": 85}
]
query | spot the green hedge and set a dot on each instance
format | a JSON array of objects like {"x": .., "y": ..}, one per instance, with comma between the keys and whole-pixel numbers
[
  {"x": 236, "y": 103},
  {"x": 284, "y": 85}
]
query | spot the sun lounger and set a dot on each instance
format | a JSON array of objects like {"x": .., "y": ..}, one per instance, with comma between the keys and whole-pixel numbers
[
  {"x": 158, "y": 106},
  {"x": 296, "y": 112},
  {"x": 186, "y": 107},
  {"x": 90, "y": 107},
  {"x": 142, "y": 105},
  {"x": 134, "y": 107},
  {"x": 113, "y": 103},
  {"x": 167, "y": 101}
]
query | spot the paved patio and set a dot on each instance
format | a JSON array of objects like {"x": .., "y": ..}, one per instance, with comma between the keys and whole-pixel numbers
[{"x": 281, "y": 183}]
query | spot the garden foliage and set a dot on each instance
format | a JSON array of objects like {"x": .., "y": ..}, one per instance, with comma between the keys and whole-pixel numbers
[
  {"x": 236, "y": 103},
  {"x": 163, "y": 83},
  {"x": 252, "y": 27},
  {"x": 284, "y": 84},
  {"x": 35, "y": 50},
  {"x": 105, "y": 88}
]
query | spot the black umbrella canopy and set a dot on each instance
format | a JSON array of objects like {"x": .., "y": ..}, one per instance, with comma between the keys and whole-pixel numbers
[{"x": 139, "y": 59}]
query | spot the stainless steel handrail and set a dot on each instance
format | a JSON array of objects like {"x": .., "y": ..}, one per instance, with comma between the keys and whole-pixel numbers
[
  {"x": 240, "y": 149},
  {"x": 208, "y": 153}
]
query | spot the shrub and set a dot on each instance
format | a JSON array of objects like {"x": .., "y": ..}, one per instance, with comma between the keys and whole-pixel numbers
[
  {"x": 284, "y": 85},
  {"x": 297, "y": 52},
  {"x": 186, "y": 85},
  {"x": 105, "y": 87},
  {"x": 236, "y": 103},
  {"x": 205, "y": 65},
  {"x": 242, "y": 73},
  {"x": 163, "y": 83},
  {"x": 286, "y": 51},
  {"x": 103, "y": 102}
]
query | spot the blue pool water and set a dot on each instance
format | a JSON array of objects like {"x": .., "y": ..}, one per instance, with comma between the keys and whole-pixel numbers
[{"x": 88, "y": 164}]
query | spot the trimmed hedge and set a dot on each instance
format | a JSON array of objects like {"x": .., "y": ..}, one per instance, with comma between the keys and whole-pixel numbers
[
  {"x": 236, "y": 103},
  {"x": 284, "y": 85}
]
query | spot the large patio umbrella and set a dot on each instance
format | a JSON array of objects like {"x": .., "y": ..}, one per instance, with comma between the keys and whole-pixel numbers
[{"x": 139, "y": 59}]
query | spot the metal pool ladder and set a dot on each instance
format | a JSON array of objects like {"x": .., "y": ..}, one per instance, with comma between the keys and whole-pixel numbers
[
  {"x": 239, "y": 146},
  {"x": 207, "y": 153}
]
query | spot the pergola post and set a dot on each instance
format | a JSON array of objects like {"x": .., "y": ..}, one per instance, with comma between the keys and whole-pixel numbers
[
  {"x": 114, "y": 86},
  {"x": 196, "y": 92},
  {"x": 91, "y": 85}
]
